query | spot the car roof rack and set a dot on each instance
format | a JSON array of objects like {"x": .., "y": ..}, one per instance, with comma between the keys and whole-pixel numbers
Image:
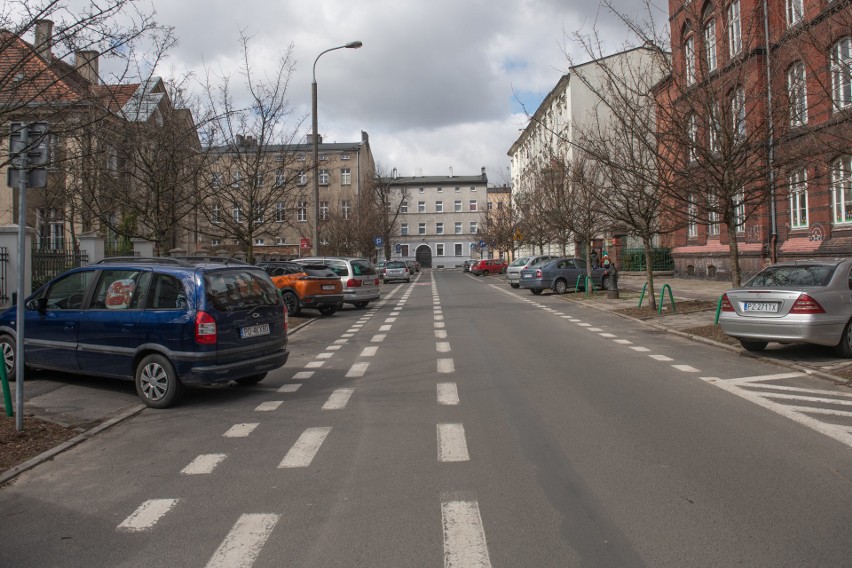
[{"x": 143, "y": 260}]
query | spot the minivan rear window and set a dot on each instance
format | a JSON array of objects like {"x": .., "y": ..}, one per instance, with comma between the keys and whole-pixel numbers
[
  {"x": 362, "y": 268},
  {"x": 231, "y": 290}
]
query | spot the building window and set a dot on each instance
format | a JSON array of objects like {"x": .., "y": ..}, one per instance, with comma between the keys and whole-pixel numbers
[
  {"x": 689, "y": 59},
  {"x": 739, "y": 211},
  {"x": 421, "y": 207},
  {"x": 457, "y": 249},
  {"x": 345, "y": 176},
  {"x": 323, "y": 177},
  {"x": 280, "y": 240},
  {"x": 691, "y": 214},
  {"x": 439, "y": 228},
  {"x": 258, "y": 215},
  {"x": 403, "y": 250},
  {"x": 323, "y": 158},
  {"x": 216, "y": 180},
  {"x": 403, "y": 207},
  {"x": 439, "y": 249},
  {"x": 280, "y": 212},
  {"x": 258, "y": 241},
  {"x": 236, "y": 213},
  {"x": 280, "y": 179},
  {"x": 735, "y": 38},
  {"x": 797, "y": 94},
  {"x": 346, "y": 207},
  {"x": 473, "y": 205},
  {"x": 403, "y": 229},
  {"x": 738, "y": 111},
  {"x": 324, "y": 210},
  {"x": 303, "y": 178},
  {"x": 710, "y": 45},
  {"x": 421, "y": 228},
  {"x": 236, "y": 179},
  {"x": 458, "y": 189},
  {"x": 458, "y": 228},
  {"x": 795, "y": 11},
  {"x": 419, "y": 190},
  {"x": 712, "y": 216},
  {"x": 258, "y": 180},
  {"x": 440, "y": 189},
  {"x": 302, "y": 211},
  {"x": 344, "y": 156},
  {"x": 841, "y": 73},
  {"x": 489, "y": 205},
  {"x": 693, "y": 138},
  {"x": 457, "y": 206},
  {"x": 473, "y": 227},
  {"x": 439, "y": 207},
  {"x": 713, "y": 131},
  {"x": 841, "y": 189},
  {"x": 798, "y": 183},
  {"x": 215, "y": 242},
  {"x": 216, "y": 215}
]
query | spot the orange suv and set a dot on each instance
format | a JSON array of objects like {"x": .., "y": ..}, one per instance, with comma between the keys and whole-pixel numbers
[{"x": 302, "y": 286}]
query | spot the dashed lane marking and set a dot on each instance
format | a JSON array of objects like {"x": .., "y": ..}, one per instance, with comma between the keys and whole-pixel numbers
[
  {"x": 203, "y": 464},
  {"x": 452, "y": 445},
  {"x": 448, "y": 394},
  {"x": 303, "y": 375},
  {"x": 244, "y": 542},
  {"x": 292, "y": 387},
  {"x": 464, "y": 536},
  {"x": 241, "y": 430},
  {"x": 269, "y": 405},
  {"x": 357, "y": 370},
  {"x": 147, "y": 515},
  {"x": 338, "y": 399},
  {"x": 305, "y": 449},
  {"x": 446, "y": 366}
]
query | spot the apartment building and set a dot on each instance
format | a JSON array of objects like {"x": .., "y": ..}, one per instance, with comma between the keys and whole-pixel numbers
[{"x": 781, "y": 74}]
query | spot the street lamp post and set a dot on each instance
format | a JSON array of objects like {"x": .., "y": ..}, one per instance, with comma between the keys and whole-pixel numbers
[{"x": 315, "y": 142}]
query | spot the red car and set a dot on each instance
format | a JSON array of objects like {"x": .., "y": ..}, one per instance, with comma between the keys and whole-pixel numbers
[{"x": 489, "y": 266}]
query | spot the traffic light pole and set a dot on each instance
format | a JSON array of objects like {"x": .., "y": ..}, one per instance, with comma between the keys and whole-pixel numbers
[{"x": 22, "y": 257}]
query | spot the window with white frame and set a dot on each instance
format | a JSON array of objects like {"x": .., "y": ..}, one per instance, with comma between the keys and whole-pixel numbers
[
  {"x": 300, "y": 157},
  {"x": 215, "y": 242},
  {"x": 345, "y": 176},
  {"x": 439, "y": 228},
  {"x": 713, "y": 132},
  {"x": 738, "y": 113},
  {"x": 458, "y": 227},
  {"x": 473, "y": 205},
  {"x": 710, "y": 45},
  {"x": 458, "y": 189},
  {"x": 324, "y": 210},
  {"x": 693, "y": 138},
  {"x": 712, "y": 216},
  {"x": 797, "y": 94},
  {"x": 216, "y": 180},
  {"x": 323, "y": 158},
  {"x": 257, "y": 214},
  {"x": 302, "y": 211},
  {"x": 303, "y": 178},
  {"x": 323, "y": 177},
  {"x": 280, "y": 179},
  {"x": 280, "y": 240},
  {"x": 798, "y": 184},
  {"x": 457, "y": 205},
  {"x": 457, "y": 249},
  {"x": 258, "y": 241},
  {"x": 795, "y": 11},
  {"x": 841, "y": 189},
  {"x": 419, "y": 190},
  {"x": 474, "y": 227},
  {"x": 216, "y": 214},
  {"x": 691, "y": 222},
  {"x": 236, "y": 213},
  {"x": 735, "y": 37},
  {"x": 237, "y": 180},
  {"x": 439, "y": 207},
  {"x": 473, "y": 188},
  {"x": 346, "y": 209},
  {"x": 280, "y": 212},
  {"x": 440, "y": 189},
  {"x": 841, "y": 73},
  {"x": 403, "y": 207},
  {"x": 421, "y": 207},
  {"x": 439, "y": 249},
  {"x": 689, "y": 59},
  {"x": 421, "y": 228},
  {"x": 403, "y": 229},
  {"x": 344, "y": 156},
  {"x": 258, "y": 180},
  {"x": 739, "y": 211}
]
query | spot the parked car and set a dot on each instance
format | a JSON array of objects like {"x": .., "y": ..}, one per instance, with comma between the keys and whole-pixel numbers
[
  {"x": 306, "y": 286},
  {"x": 562, "y": 274},
  {"x": 411, "y": 266},
  {"x": 397, "y": 270},
  {"x": 358, "y": 276},
  {"x": 489, "y": 266},
  {"x": 162, "y": 323},
  {"x": 806, "y": 301},
  {"x": 468, "y": 263},
  {"x": 513, "y": 272},
  {"x": 380, "y": 267},
  {"x": 417, "y": 266}
]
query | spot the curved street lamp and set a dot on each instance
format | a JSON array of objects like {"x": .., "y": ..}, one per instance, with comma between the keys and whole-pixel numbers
[{"x": 314, "y": 141}]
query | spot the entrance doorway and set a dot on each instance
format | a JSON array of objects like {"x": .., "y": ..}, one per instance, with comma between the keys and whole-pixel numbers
[{"x": 424, "y": 256}]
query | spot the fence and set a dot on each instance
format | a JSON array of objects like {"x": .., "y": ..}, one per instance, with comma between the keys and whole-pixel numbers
[
  {"x": 633, "y": 260},
  {"x": 4, "y": 279},
  {"x": 47, "y": 264}
]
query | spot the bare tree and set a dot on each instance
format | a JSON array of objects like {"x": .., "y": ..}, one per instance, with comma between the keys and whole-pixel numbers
[
  {"x": 386, "y": 205},
  {"x": 499, "y": 227}
]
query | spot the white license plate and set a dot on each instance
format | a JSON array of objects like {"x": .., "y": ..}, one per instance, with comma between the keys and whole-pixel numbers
[
  {"x": 254, "y": 330},
  {"x": 328, "y": 286},
  {"x": 527, "y": 276},
  {"x": 760, "y": 307}
]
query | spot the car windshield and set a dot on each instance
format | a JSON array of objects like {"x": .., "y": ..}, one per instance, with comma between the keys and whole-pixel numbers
[
  {"x": 396, "y": 265},
  {"x": 234, "y": 290},
  {"x": 521, "y": 261},
  {"x": 786, "y": 276}
]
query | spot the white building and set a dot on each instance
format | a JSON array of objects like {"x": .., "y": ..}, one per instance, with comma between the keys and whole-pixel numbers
[{"x": 439, "y": 219}]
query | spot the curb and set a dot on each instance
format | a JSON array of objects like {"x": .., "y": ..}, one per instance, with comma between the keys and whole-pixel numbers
[{"x": 13, "y": 472}]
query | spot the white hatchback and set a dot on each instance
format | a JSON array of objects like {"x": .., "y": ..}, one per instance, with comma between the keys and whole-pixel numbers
[{"x": 359, "y": 277}]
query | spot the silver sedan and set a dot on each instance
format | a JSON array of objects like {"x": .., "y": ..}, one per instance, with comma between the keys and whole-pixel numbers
[{"x": 806, "y": 301}]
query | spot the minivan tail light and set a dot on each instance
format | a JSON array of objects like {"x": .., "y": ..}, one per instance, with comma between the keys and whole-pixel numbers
[
  {"x": 726, "y": 304},
  {"x": 538, "y": 273},
  {"x": 806, "y": 305},
  {"x": 353, "y": 283},
  {"x": 205, "y": 329},
  {"x": 376, "y": 281}
]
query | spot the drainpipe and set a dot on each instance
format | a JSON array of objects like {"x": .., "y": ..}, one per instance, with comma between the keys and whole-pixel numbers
[{"x": 770, "y": 142}]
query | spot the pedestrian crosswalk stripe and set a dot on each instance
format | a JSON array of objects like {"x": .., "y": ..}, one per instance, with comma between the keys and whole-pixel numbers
[{"x": 244, "y": 542}]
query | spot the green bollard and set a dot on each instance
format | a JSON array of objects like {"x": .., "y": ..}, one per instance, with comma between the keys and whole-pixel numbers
[
  {"x": 663, "y": 299},
  {"x": 718, "y": 310},
  {"x": 7, "y": 394}
]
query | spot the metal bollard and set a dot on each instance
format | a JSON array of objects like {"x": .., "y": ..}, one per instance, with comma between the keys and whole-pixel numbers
[{"x": 612, "y": 291}]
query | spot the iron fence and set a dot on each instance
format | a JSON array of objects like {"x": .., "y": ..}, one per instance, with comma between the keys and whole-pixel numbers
[
  {"x": 633, "y": 259},
  {"x": 49, "y": 263}
]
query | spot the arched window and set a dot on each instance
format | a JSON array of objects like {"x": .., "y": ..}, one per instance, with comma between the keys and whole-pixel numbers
[
  {"x": 688, "y": 54},
  {"x": 710, "y": 59},
  {"x": 841, "y": 189},
  {"x": 797, "y": 94},
  {"x": 841, "y": 73}
]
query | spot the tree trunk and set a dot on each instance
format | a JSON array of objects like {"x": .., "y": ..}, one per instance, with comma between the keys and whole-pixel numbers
[
  {"x": 736, "y": 276},
  {"x": 649, "y": 271}
]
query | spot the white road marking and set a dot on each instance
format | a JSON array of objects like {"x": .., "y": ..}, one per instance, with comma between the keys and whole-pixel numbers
[
  {"x": 438, "y": 325},
  {"x": 378, "y": 338},
  {"x": 293, "y": 387},
  {"x": 686, "y": 368},
  {"x": 303, "y": 375},
  {"x": 440, "y": 334},
  {"x": 762, "y": 378},
  {"x": 305, "y": 449},
  {"x": 245, "y": 540},
  {"x": 205, "y": 463},
  {"x": 821, "y": 399},
  {"x": 828, "y": 411},
  {"x": 568, "y": 317},
  {"x": 333, "y": 348},
  {"x": 147, "y": 515},
  {"x": 640, "y": 349},
  {"x": 581, "y": 324},
  {"x": 452, "y": 445},
  {"x": 348, "y": 335},
  {"x": 268, "y": 405},
  {"x": 623, "y": 342},
  {"x": 438, "y": 317},
  {"x": 446, "y": 366},
  {"x": 325, "y": 355},
  {"x": 595, "y": 329},
  {"x": 369, "y": 351},
  {"x": 314, "y": 364},
  {"x": 607, "y": 335},
  {"x": 241, "y": 430},
  {"x": 357, "y": 370},
  {"x": 660, "y": 358},
  {"x": 464, "y": 535},
  {"x": 448, "y": 394},
  {"x": 381, "y": 328},
  {"x": 443, "y": 347},
  {"x": 352, "y": 330},
  {"x": 390, "y": 320},
  {"x": 799, "y": 389},
  {"x": 338, "y": 399}
]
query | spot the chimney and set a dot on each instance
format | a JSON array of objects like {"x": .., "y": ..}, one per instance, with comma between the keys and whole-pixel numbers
[
  {"x": 86, "y": 64},
  {"x": 44, "y": 38},
  {"x": 451, "y": 171},
  {"x": 483, "y": 175},
  {"x": 394, "y": 173}
]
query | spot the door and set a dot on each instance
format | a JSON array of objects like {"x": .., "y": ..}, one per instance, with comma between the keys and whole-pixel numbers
[{"x": 424, "y": 256}]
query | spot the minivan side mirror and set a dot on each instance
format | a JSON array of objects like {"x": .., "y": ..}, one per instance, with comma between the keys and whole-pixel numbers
[{"x": 39, "y": 304}]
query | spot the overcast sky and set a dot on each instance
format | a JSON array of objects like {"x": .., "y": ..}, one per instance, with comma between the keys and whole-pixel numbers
[{"x": 435, "y": 83}]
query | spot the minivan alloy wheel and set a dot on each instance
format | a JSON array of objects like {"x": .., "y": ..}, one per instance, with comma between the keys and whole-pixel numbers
[{"x": 156, "y": 382}]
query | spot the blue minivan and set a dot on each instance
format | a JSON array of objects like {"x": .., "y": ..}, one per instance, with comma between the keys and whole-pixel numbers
[{"x": 163, "y": 323}]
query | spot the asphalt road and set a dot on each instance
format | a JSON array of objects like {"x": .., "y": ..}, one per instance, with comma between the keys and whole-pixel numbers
[{"x": 461, "y": 423}]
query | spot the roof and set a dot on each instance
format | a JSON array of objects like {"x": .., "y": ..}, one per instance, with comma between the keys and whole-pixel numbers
[{"x": 437, "y": 180}]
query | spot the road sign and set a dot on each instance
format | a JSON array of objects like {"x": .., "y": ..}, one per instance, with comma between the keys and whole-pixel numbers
[
  {"x": 379, "y": 241},
  {"x": 482, "y": 244},
  {"x": 398, "y": 247}
]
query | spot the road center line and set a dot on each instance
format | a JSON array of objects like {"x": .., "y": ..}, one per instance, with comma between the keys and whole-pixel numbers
[
  {"x": 269, "y": 405},
  {"x": 448, "y": 394},
  {"x": 452, "y": 445},
  {"x": 464, "y": 535},
  {"x": 446, "y": 366}
]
